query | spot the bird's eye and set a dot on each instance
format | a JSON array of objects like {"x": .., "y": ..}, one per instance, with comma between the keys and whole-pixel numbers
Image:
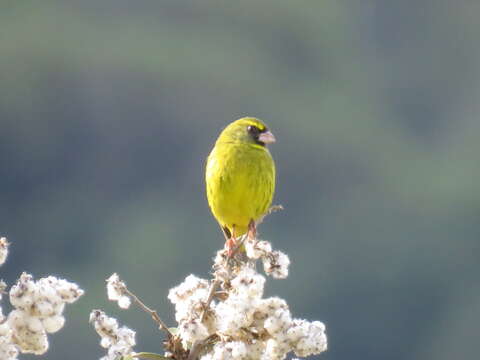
[{"x": 253, "y": 129}]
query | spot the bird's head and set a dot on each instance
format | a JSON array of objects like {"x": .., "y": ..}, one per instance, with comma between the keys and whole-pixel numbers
[{"x": 247, "y": 130}]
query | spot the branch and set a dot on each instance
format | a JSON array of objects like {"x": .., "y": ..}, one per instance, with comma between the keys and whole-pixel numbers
[{"x": 153, "y": 313}]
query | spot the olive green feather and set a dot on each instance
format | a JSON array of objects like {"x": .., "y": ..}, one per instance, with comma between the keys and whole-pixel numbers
[{"x": 240, "y": 175}]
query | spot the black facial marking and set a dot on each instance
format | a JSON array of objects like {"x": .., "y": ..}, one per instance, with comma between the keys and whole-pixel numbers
[
  {"x": 255, "y": 132},
  {"x": 252, "y": 129}
]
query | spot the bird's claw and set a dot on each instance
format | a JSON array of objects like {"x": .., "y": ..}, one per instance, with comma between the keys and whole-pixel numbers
[{"x": 230, "y": 245}]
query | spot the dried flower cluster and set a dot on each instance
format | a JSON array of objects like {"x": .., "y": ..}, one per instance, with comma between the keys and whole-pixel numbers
[
  {"x": 226, "y": 318},
  {"x": 239, "y": 323},
  {"x": 118, "y": 340},
  {"x": 38, "y": 307}
]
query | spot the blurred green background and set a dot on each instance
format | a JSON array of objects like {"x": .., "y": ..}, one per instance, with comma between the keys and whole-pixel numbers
[{"x": 109, "y": 108}]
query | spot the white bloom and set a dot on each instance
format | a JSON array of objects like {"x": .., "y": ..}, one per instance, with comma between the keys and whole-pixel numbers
[
  {"x": 189, "y": 298},
  {"x": 278, "y": 322},
  {"x": 220, "y": 257},
  {"x": 312, "y": 339},
  {"x": 5, "y": 330},
  {"x": 69, "y": 292},
  {"x": 38, "y": 308},
  {"x": 248, "y": 283},
  {"x": 191, "y": 307},
  {"x": 34, "y": 324},
  {"x": 43, "y": 298},
  {"x": 127, "y": 336},
  {"x": 186, "y": 289},
  {"x": 255, "y": 349},
  {"x": 234, "y": 314},
  {"x": 208, "y": 356},
  {"x": 119, "y": 341},
  {"x": 3, "y": 250},
  {"x": 234, "y": 350},
  {"x": 53, "y": 323},
  {"x": 49, "y": 291},
  {"x": 43, "y": 308},
  {"x": 275, "y": 350},
  {"x": 105, "y": 326},
  {"x": 276, "y": 264},
  {"x": 257, "y": 249},
  {"x": 270, "y": 305},
  {"x": 17, "y": 319},
  {"x": 193, "y": 330},
  {"x": 8, "y": 351},
  {"x": 116, "y": 291},
  {"x": 29, "y": 341},
  {"x": 22, "y": 293}
]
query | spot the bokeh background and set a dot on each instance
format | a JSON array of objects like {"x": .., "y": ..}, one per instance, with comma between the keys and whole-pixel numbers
[{"x": 109, "y": 108}]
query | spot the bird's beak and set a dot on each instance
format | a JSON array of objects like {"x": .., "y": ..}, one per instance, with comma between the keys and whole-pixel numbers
[{"x": 266, "y": 137}]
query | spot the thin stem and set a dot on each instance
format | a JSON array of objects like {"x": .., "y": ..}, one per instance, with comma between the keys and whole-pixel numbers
[
  {"x": 153, "y": 313},
  {"x": 197, "y": 345},
  {"x": 211, "y": 295}
]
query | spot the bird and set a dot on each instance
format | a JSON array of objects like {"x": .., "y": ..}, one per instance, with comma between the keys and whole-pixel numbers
[{"x": 240, "y": 178}]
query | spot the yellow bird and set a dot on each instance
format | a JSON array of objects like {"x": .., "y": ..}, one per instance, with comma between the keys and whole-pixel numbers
[{"x": 240, "y": 177}]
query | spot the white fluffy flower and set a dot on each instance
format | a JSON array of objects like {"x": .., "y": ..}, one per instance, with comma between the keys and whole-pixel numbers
[
  {"x": 43, "y": 298},
  {"x": 118, "y": 340},
  {"x": 276, "y": 264},
  {"x": 234, "y": 350},
  {"x": 53, "y": 323},
  {"x": 116, "y": 291},
  {"x": 255, "y": 348},
  {"x": 248, "y": 283},
  {"x": 189, "y": 309},
  {"x": 233, "y": 314},
  {"x": 68, "y": 292},
  {"x": 38, "y": 307},
  {"x": 8, "y": 351},
  {"x": 186, "y": 289},
  {"x": 279, "y": 322},
  {"x": 28, "y": 340},
  {"x": 275, "y": 350},
  {"x": 22, "y": 294},
  {"x": 38, "y": 310},
  {"x": 189, "y": 298},
  {"x": 3, "y": 250},
  {"x": 309, "y": 337},
  {"x": 271, "y": 305},
  {"x": 257, "y": 249},
  {"x": 192, "y": 330}
]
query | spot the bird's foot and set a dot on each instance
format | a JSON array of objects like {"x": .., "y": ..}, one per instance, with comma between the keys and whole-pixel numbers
[{"x": 231, "y": 246}]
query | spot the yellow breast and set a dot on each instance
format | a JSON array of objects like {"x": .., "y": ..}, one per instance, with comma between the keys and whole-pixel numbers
[{"x": 240, "y": 181}]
